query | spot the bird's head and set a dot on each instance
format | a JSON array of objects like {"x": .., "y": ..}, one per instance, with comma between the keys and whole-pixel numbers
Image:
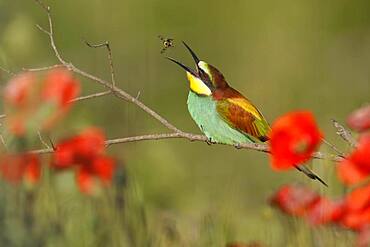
[{"x": 205, "y": 79}]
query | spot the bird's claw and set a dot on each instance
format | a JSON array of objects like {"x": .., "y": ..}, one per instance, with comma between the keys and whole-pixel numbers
[
  {"x": 210, "y": 142},
  {"x": 237, "y": 146}
]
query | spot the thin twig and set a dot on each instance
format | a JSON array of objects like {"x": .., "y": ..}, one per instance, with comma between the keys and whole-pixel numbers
[
  {"x": 90, "y": 96},
  {"x": 51, "y": 143},
  {"x": 117, "y": 91},
  {"x": 3, "y": 142},
  {"x": 344, "y": 133},
  {"x": 42, "y": 140},
  {"x": 44, "y": 68},
  {"x": 333, "y": 147},
  {"x": 2, "y": 116},
  {"x": 138, "y": 95},
  {"x": 110, "y": 58}
]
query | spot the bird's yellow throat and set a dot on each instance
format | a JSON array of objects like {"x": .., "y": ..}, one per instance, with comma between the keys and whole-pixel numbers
[{"x": 197, "y": 85}]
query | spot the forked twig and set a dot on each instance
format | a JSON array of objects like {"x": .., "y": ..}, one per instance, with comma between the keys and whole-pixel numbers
[{"x": 110, "y": 58}]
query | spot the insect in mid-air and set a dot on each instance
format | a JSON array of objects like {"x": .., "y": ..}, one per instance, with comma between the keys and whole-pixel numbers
[
  {"x": 167, "y": 42},
  {"x": 222, "y": 113}
]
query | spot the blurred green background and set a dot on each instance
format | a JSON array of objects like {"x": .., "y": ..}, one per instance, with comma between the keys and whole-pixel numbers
[{"x": 283, "y": 55}]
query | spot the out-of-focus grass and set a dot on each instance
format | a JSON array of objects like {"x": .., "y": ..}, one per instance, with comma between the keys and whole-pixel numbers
[{"x": 283, "y": 55}]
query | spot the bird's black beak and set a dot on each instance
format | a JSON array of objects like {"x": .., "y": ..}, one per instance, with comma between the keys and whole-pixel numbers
[
  {"x": 186, "y": 68},
  {"x": 196, "y": 60}
]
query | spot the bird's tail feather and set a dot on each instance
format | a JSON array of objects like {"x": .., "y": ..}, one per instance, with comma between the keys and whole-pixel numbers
[{"x": 310, "y": 174}]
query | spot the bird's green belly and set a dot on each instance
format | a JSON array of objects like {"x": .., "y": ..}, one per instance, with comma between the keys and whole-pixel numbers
[{"x": 203, "y": 111}]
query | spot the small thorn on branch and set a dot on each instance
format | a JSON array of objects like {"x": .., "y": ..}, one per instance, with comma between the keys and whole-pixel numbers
[
  {"x": 42, "y": 29},
  {"x": 42, "y": 140},
  {"x": 344, "y": 133}
]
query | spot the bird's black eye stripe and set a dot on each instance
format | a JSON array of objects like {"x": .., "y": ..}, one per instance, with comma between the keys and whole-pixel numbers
[{"x": 206, "y": 79}]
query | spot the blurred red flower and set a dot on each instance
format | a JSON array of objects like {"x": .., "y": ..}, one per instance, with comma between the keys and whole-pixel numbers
[
  {"x": 100, "y": 170},
  {"x": 356, "y": 167},
  {"x": 363, "y": 238},
  {"x": 18, "y": 90},
  {"x": 31, "y": 104},
  {"x": 326, "y": 211},
  {"x": 359, "y": 120},
  {"x": 85, "y": 152},
  {"x": 60, "y": 87},
  {"x": 293, "y": 139},
  {"x": 358, "y": 199},
  {"x": 80, "y": 149},
  {"x": 15, "y": 168},
  {"x": 356, "y": 219},
  {"x": 357, "y": 203},
  {"x": 295, "y": 199}
]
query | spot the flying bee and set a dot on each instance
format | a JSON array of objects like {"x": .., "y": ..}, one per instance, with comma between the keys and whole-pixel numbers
[{"x": 167, "y": 43}]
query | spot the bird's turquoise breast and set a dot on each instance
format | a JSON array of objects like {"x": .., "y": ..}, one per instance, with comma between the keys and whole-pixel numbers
[{"x": 203, "y": 111}]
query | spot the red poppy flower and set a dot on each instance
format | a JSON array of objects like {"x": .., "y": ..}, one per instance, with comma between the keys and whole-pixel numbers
[
  {"x": 359, "y": 120},
  {"x": 358, "y": 199},
  {"x": 356, "y": 219},
  {"x": 15, "y": 168},
  {"x": 363, "y": 238},
  {"x": 295, "y": 200},
  {"x": 326, "y": 211},
  {"x": 31, "y": 104},
  {"x": 79, "y": 149},
  {"x": 60, "y": 87},
  {"x": 18, "y": 90},
  {"x": 293, "y": 139},
  {"x": 85, "y": 152},
  {"x": 356, "y": 167},
  {"x": 100, "y": 170},
  {"x": 357, "y": 212}
]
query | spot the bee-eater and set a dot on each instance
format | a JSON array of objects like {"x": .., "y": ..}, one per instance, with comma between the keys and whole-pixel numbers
[{"x": 222, "y": 113}]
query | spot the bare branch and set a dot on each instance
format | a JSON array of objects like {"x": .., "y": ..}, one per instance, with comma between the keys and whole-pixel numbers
[
  {"x": 2, "y": 116},
  {"x": 344, "y": 133},
  {"x": 90, "y": 96},
  {"x": 110, "y": 58},
  {"x": 117, "y": 91},
  {"x": 42, "y": 140},
  {"x": 44, "y": 68},
  {"x": 194, "y": 137}
]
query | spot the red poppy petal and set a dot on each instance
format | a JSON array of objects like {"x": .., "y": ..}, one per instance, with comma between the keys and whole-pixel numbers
[
  {"x": 293, "y": 139},
  {"x": 85, "y": 181},
  {"x": 359, "y": 120}
]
